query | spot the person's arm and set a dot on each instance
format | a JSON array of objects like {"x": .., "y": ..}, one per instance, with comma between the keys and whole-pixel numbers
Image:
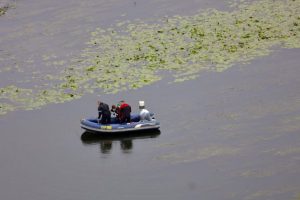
[
  {"x": 100, "y": 110},
  {"x": 148, "y": 116}
]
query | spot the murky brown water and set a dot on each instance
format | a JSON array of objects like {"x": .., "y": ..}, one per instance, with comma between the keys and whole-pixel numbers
[{"x": 229, "y": 135}]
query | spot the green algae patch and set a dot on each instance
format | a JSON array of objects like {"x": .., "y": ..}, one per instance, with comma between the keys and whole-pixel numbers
[
  {"x": 272, "y": 193},
  {"x": 287, "y": 125},
  {"x": 271, "y": 171},
  {"x": 130, "y": 55},
  {"x": 4, "y": 6},
  {"x": 199, "y": 154},
  {"x": 257, "y": 174},
  {"x": 298, "y": 196},
  {"x": 288, "y": 151},
  {"x": 5, "y": 108},
  {"x": 3, "y": 10}
]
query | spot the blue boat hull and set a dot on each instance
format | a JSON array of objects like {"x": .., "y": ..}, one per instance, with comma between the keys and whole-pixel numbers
[{"x": 92, "y": 125}]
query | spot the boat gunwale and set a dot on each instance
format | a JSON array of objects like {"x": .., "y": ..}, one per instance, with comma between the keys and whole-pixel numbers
[{"x": 88, "y": 128}]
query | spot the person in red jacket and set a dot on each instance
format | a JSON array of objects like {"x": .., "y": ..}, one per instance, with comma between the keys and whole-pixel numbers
[{"x": 125, "y": 111}]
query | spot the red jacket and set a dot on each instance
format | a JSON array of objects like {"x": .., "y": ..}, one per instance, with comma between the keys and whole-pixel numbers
[{"x": 125, "y": 110}]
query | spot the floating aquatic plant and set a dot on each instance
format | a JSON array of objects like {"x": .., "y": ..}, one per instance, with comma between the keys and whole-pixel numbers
[
  {"x": 3, "y": 10},
  {"x": 4, "y": 108},
  {"x": 4, "y": 7},
  {"x": 199, "y": 154},
  {"x": 132, "y": 55},
  {"x": 298, "y": 196}
]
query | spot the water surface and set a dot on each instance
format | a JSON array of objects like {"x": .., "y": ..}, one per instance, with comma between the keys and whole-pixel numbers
[{"x": 229, "y": 135}]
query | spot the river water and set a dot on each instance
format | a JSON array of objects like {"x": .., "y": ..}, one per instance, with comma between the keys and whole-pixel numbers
[{"x": 229, "y": 135}]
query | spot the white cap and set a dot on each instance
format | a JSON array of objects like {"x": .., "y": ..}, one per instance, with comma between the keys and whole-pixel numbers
[{"x": 141, "y": 103}]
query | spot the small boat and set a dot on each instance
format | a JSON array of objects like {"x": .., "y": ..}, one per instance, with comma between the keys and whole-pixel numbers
[{"x": 93, "y": 125}]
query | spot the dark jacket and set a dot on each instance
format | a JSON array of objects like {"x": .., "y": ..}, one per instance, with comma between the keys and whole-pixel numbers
[{"x": 103, "y": 109}]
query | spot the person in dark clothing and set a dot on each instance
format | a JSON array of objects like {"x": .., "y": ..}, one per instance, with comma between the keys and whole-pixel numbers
[
  {"x": 125, "y": 111},
  {"x": 104, "y": 113}
]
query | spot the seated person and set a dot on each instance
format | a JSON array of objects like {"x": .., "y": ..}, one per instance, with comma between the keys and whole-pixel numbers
[
  {"x": 125, "y": 111},
  {"x": 115, "y": 109},
  {"x": 144, "y": 113}
]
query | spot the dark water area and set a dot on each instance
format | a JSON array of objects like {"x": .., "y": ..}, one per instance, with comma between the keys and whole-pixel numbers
[{"x": 229, "y": 135}]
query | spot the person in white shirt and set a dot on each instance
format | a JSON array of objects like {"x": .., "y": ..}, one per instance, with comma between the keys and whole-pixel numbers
[{"x": 144, "y": 113}]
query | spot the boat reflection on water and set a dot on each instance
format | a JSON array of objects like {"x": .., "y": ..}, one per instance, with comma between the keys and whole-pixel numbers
[{"x": 126, "y": 141}]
